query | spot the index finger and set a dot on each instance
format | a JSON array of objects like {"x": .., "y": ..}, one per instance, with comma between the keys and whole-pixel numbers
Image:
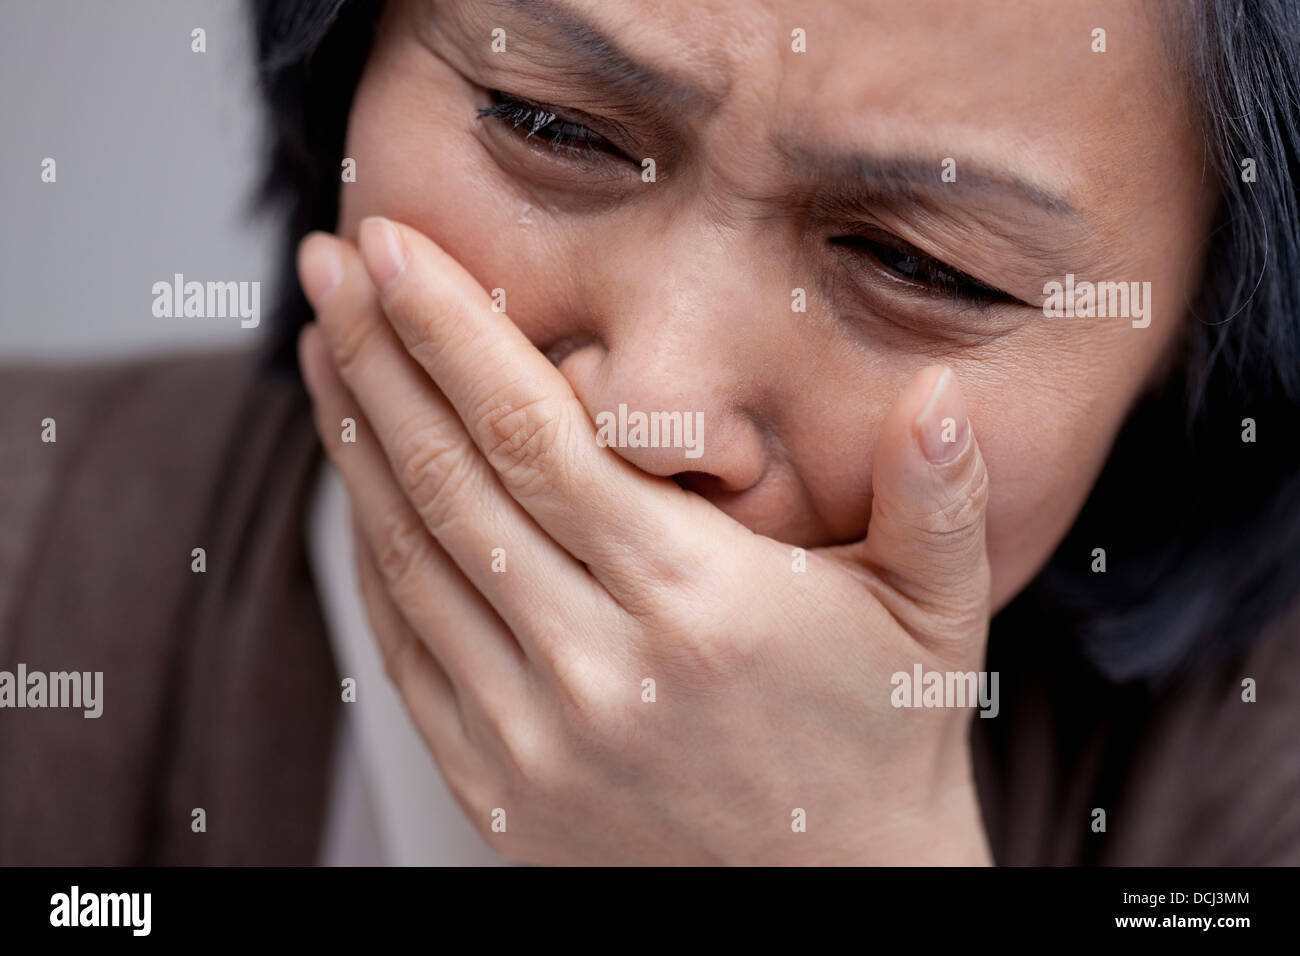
[{"x": 519, "y": 408}]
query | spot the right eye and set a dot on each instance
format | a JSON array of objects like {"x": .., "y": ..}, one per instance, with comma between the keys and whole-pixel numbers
[{"x": 544, "y": 123}]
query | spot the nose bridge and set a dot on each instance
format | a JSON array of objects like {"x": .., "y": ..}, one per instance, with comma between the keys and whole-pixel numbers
[
  {"x": 702, "y": 301},
  {"x": 703, "y": 323}
]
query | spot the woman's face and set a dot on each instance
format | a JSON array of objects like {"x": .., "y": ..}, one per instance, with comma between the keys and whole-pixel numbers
[{"x": 822, "y": 171}]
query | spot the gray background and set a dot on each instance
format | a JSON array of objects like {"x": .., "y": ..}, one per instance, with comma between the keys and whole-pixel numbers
[{"x": 158, "y": 150}]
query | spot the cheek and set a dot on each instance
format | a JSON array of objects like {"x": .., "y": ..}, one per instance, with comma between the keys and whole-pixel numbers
[
  {"x": 1043, "y": 456},
  {"x": 1046, "y": 423},
  {"x": 1042, "y": 465},
  {"x": 419, "y": 161}
]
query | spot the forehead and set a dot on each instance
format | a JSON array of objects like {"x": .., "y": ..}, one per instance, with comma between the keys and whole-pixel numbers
[
  {"x": 965, "y": 78},
  {"x": 982, "y": 54}
]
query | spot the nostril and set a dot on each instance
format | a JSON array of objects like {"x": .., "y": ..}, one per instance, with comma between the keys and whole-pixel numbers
[
  {"x": 561, "y": 349},
  {"x": 700, "y": 482}
]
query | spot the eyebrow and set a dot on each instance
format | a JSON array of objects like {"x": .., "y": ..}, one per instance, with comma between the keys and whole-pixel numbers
[
  {"x": 841, "y": 181},
  {"x": 842, "y": 185},
  {"x": 599, "y": 58},
  {"x": 864, "y": 176}
]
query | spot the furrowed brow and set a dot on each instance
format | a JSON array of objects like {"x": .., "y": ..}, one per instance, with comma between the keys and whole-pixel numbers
[{"x": 592, "y": 55}]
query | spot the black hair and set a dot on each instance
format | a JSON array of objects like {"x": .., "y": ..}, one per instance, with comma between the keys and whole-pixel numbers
[
  {"x": 1201, "y": 530},
  {"x": 310, "y": 54}
]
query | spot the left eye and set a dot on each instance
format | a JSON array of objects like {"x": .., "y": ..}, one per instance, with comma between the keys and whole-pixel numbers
[
  {"x": 911, "y": 265},
  {"x": 536, "y": 120}
]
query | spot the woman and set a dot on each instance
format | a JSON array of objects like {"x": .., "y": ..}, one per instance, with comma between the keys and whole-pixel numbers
[{"x": 841, "y": 238}]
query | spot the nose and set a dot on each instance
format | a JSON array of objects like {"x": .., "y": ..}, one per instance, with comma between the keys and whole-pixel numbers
[
  {"x": 672, "y": 380},
  {"x": 670, "y": 412}
]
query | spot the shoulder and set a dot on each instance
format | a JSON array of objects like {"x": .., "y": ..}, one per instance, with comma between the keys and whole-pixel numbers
[
  {"x": 128, "y": 454},
  {"x": 149, "y": 461},
  {"x": 57, "y": 417},
  {"x": 131, "y": 395},
  {"x": 120, "y": 448}
]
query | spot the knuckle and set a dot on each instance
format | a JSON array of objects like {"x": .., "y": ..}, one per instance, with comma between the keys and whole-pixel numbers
[
  {"x": 397, "y": 660},
  {"x": 695, "y": 636},
  {"x": 709, "y": 656},
  {"x": 428, "y": 352},
  {"x": 433, "y": 470},
  {"x": 654, "y": 582},
  {"x": 592, "y": 698},
  {"x": 526, "y": 754},
  {"x": 523, "y": 436},
  {"x": 966, "y": 510},
  {"x": 954, "y": 512},
  {"x": 402, "y": 548},
  {"x": 351, "y": 341},
  {"x": 642, "y": 592},
  {"x": 432, "y": 333}
]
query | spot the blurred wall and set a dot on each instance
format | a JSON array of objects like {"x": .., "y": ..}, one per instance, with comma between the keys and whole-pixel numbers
[{"x": 157, "y": 150}]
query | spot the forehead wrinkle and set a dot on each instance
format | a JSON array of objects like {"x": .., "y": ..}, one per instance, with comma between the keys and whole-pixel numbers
[{"x": 602, "y": 58}]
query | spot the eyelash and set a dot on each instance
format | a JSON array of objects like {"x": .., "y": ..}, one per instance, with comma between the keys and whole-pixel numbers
[
  {"x": 909, "y": 264},
  {"x": 902, "y": 261},
  {"x": 541, "y": 121}
]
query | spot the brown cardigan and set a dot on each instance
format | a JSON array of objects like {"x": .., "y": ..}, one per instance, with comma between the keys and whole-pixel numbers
[{"x": 220, "y": 690}]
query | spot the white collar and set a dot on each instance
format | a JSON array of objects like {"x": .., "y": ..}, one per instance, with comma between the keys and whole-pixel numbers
[{"x": 419, "y": 822}]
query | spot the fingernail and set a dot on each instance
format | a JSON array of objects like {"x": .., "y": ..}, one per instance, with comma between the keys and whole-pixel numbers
[
  {"x": 382, "y": 249},
  {"x": 941, "y": 428},
  {"x": 320, "y": 268}
]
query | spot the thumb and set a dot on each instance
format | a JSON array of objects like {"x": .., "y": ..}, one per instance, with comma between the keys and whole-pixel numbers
[{"x": 929, "y": 496}]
